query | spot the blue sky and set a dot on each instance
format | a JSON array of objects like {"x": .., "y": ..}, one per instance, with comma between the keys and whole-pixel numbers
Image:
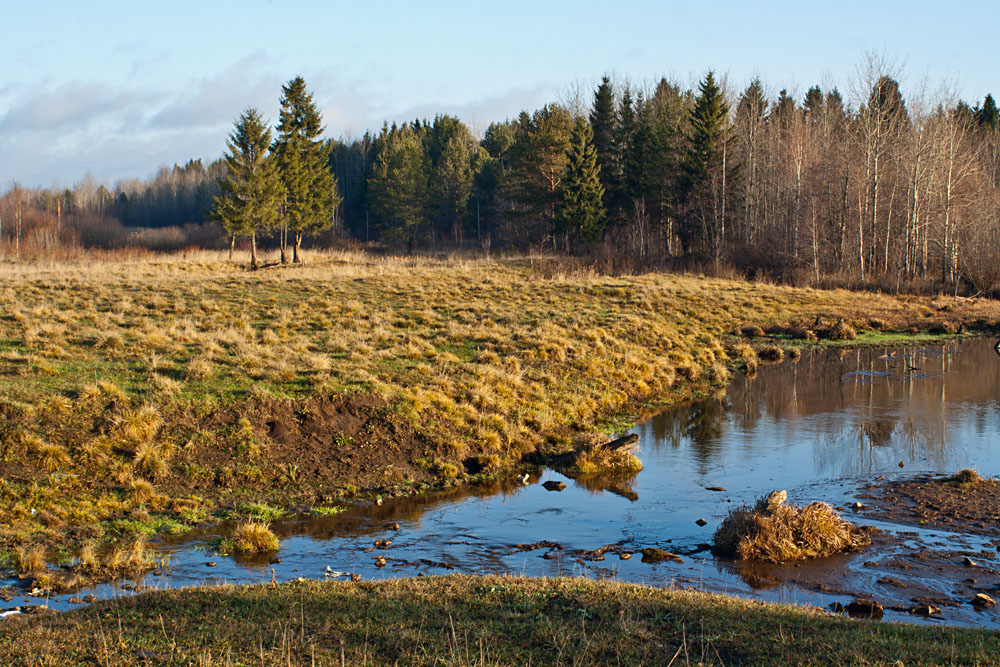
[{"x": 117, "y": 89}]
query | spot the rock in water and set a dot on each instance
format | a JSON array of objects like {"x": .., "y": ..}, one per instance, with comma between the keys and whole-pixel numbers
[
  {"x": 925, "y": 609},
  {"x": 983, "y": 600},
  {"x": 776, "y": 499},
  {"x": 701, "y": 522},
  {"x": 968, "y": 562},
  {"x": 655, "y": 555},
  {"x": 379, "y": 561},
  {"x": 553, "y": 485},
  {"x": 865, "y": 609}
]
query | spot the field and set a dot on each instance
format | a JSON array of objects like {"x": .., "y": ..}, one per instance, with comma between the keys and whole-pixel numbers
[
  {"x": 152, "y": 394},
  {"x": 459, "y": 620}
]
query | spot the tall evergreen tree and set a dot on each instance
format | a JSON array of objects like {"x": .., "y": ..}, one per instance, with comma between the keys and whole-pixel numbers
[
  {"x": 987, "y": 116},
  {"x": 249, "y": 191},
  {"x": 708, "y": 171},
  {"x": 397, "y": 188},
  {"x": 604, "y": 124},
  {"x": 580, "y": 210},
  {"x": 310, "y": 189}
]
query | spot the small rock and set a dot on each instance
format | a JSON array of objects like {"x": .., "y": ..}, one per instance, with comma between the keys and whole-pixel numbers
[
  {"x": 776, "y": 499},
  {"x": 355, "y": 576},
  {"x": 857, "y": 507},
  {"x": 553, "y": 485},
  {"x": 925, "y": 609},
  {"x": 391, "y": 526},
  {"x": 983, "y": 600},
  {"x": 89, "y": 597},
  {"x": 74, "y": 600},
  {"x": 901, "y": 464},
  {"x": 714, "y": 488},
  {"x": 275, "y": 560},
  {"x": 865, "y": 608},
  {"x": 655, "y": 555},
  {"x": 837, "y": 607},
  {"x": 968, "y": 562},
  {"x": 383, "y": 544},
  {"x": 379, "y": 561},
  {"x": 378, "y": 501},
  {"x": 701, "y": 522},
  {"x": 624, "y": 555},
  {"x": 157, "y": 573},
  {"x": 211, "y": 563}
]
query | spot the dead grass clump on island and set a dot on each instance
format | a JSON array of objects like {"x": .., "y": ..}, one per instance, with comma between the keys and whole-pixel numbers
[
  {"x": 966, "y": 477},
  {"x": 254, "y": 537},
  {"x": 779, "y": 533},
  {"x": 602, "y": 459},
  {"x": 31, "y": 559}
]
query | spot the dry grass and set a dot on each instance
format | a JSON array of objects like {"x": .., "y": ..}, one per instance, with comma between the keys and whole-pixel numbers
[
  {"x": 253, "y": 537},
  {"x": 599, "y": 460},
  {"x": 781, "y": 533},
  {"x": 486, "y": 360},
  {"x": 31, "y": 559}
]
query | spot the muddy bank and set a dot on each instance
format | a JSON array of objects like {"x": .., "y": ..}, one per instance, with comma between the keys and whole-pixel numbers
[{"x": 957, "y": 503}]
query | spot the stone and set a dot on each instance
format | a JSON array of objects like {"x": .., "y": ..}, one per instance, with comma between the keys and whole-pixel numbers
[
  {"x": 211, "y": 563},
  {"x": 865, "y": 608},
  {"x": 379, "y": 561},
  {"x": 925, "y": 609},
  {"x": 857, "y": 507},
  {"x": 383, "y": 544},
  {"x": 776, "y": 499},
  {"x": 624, "y": 555},
  {"x": 274, "y": 560},
  {"x": 968, "y": 562},
  {"x": 714, "y": 488},
  {"x": 983, "y": 600},
  {"x": 391, "y": 526},
  {"x": 701, "y": 522},
  {"x": 656, "y": 555},
  {"x": 553, "y": 485}
]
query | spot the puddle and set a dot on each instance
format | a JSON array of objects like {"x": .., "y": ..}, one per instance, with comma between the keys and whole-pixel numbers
[{"x": 821, "y": 428}]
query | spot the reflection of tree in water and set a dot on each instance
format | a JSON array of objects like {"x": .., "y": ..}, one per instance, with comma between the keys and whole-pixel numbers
[
  {"x": 702, "y": 424},
  {"x": 862, "y": 409}
]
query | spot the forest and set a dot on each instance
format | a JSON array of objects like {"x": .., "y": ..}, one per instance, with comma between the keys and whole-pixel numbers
[{"x": 865, "y": 188}]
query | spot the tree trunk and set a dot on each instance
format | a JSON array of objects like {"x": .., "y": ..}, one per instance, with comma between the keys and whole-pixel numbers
[
  {"x": 253, "y": 251},
  {"x": 232, "y": 246},
  {"x": 283, "y": 242},
  {"x": 297, "y": 236}
]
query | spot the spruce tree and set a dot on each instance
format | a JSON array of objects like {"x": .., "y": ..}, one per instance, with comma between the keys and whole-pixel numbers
[
  {"x": 708, "y": 170},
  {"x": 310, "y": 189},
  {"x": 580, "y": 209},
  {"x": 249, "y": 190},
  {"x": 604, "y": 123}
]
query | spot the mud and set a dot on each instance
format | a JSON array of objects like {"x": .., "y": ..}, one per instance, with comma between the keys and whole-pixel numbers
[{"x": 938, "y": 502}]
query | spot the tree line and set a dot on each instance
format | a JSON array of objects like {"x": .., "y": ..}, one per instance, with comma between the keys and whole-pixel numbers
[{"x": 876, "y": 188}]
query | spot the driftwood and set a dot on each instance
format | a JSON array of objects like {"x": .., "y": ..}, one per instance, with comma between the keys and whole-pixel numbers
[{"x": 624, "y": 441}]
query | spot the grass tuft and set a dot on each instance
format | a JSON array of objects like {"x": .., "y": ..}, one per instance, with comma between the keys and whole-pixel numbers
[
  {"x": 254, "y": 537},
  {"x": 778, "y": 533}
]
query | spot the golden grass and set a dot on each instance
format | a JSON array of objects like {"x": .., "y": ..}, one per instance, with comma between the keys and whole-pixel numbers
[
  {"x": 600, "y": 459},
  {"x": 780, "y": 532},
  {"x": 485, "y": 360},
  {"x": 253, "y": 537},
  {"x": 31, "y": 559}
]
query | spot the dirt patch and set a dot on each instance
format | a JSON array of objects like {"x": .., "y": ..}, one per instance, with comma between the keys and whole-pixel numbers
[
  {"x": 313, "y": 448},
  {"x": 953, "y": 503}
]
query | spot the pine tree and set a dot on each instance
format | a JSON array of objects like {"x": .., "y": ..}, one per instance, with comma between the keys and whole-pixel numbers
[
  {"x": 310, "y": 189},
  {"x": 987, "y": 116},
  {"x": 604, "y": 123},
  {"x": 249, "y": 192},
  {"x": 397, "y": 188},
  {"x": 580, "y": 209}
]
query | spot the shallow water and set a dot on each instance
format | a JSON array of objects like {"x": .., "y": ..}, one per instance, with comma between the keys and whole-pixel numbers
[{"x": 820, "y": 427}]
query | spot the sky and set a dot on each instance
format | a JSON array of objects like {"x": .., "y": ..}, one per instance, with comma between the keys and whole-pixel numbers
[{"x": 115, "y": 89}]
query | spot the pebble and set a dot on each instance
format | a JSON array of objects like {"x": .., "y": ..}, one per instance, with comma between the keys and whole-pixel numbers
[
  {"x": 714, "y": 488},
  {"x": 379, "y": 561},
  {"x": 857, "y": 507},
  {"x": 211, "y": 563},
  {"x": 968, "y": 562},
  {"x": 701, "y": 522},
  {"x": 553, "y": 485},
  {"x": 925, "y": 609},
  {"x": 391, "y": 526},
  {"x": 865, "y": 608},
  {"x": 624, "y": 555}
]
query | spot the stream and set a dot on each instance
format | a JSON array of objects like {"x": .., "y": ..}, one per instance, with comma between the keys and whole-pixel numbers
[{"x": 821, "y": 428}]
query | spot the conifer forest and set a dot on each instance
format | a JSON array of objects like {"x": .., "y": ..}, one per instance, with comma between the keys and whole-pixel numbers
[{"x": 865, "y": 185}]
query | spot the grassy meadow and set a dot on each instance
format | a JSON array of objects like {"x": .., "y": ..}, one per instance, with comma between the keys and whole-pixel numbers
[
  {"x": 462, "y": 620},
  {"x": 147, "y": 395}
]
